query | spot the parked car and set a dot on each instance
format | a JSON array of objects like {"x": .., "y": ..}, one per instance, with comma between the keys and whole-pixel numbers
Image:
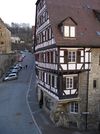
[
  {"x": 21, "y": 58},
  {"x": 11, "y": 76},
  {"x": 14, "y": 70},
  {"x": 18, "y": 65}
]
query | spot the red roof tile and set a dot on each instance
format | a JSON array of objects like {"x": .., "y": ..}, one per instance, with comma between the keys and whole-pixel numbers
[{"x": 81, "y": 11}]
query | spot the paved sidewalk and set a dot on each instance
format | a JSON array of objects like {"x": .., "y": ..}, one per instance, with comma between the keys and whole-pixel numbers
[{"x": 43, "y": 120}]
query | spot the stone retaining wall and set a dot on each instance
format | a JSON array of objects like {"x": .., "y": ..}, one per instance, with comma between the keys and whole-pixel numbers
[{"x": 5, "y": 61}]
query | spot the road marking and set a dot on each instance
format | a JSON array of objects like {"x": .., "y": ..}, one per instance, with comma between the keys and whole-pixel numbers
[{"x": 40, "y": 132}]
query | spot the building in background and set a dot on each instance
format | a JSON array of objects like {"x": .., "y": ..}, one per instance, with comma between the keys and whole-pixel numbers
[
  {"x": 15, "y": 40},
  {"x": 7, "y": 57},
  {"x": 67, "y": 54},
  {"x": 5, "y": 38}
]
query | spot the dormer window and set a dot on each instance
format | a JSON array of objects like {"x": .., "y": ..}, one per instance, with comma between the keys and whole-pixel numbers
[
  {"x": 68, "y": 28},
  {"x": 69, "y": 31},
  {"x": 97, "y": 14}
]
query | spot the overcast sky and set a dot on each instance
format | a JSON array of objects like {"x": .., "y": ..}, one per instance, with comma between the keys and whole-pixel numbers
[{"x": 18, "y": 11}]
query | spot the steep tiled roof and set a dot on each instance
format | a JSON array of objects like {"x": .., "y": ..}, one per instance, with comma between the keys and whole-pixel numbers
[{"x": 82, "y": 12}]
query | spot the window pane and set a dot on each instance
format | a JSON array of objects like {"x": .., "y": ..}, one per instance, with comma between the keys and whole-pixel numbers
[
  {"x": 94, "y": 84},
  {"x": 71, "y": 56},
  {"x": 74, "y": 107},
  {"x": 72, "y": 31},
  {"x": 52, "y": 81},
  {"x": 61, "y": 53},
  {"x": 61, "y": 59},
  {"x": 69, "y": 83},
  {"x": 55, "y": 81},
  {"x": 66, "y": 31}
]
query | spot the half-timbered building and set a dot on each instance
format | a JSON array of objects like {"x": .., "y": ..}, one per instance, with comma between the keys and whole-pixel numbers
[{"x": 67, "y": 36}]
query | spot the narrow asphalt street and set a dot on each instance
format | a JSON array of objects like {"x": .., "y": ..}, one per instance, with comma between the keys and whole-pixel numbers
[
  {"x": 19, "y": 109},
  {"x": 15, "y": 117}
]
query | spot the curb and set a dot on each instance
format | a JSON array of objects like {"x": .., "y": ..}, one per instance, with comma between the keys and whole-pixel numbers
[{"x": 40, "y": 132}]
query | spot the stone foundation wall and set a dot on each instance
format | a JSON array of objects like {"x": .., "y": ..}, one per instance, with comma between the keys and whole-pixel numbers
[
  {"x": 94, "y": 93},
  {"x": 5, "y": 61},
  {"x": 60, "y": 111}
]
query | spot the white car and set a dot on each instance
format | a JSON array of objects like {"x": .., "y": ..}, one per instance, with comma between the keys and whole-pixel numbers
[{"x": 11, "y": 76}]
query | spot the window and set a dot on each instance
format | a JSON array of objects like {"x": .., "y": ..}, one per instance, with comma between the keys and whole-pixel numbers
[
  {"x": 42, "y": 76},
  {"x": 46, "y": 34},
  {"x": 61, "y": 53},
  {"x": 52, "y": 56},
  {"x": 55, "y": 81},
  {"x": 46, "y": 16},
  {"x": 74, "y": 107},
  {"x": 2, "y": 42},
  {"x": 69, "y": 82},
  {"x": 49, "y": 33},
  {"x": 69, "y": 31},
  {"x": 47, "y": 57},
  {"x": 95, "y": 83},
  {"x": 71, "y": 56},
  {"x": 46, "y": 78},
  {"x": 61, "y": 56},
  {"x": 52, "y": 84},
  {"x": 39, "y": 75},
  {"x": 49, "y": 79}
]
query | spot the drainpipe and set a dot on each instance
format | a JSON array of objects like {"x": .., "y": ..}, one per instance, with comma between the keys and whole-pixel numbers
[
  {"x": 87, "y": 101},
  {"x": 87, "y": 93}
]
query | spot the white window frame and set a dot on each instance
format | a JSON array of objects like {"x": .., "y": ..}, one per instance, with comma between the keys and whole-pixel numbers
[
  {"x": 72, "y": 54},
  {"x": 54, "y": 54},
  {"x": 74, "y": 107},
  {"x": 45, "y": 77},
  {"x": 55, "y": 81},
  {"x": 61, "y": 56},
  {"x": 69, "y": 31},
  {"x": 61, "y": 52},
  {"x": 39, "y": 75},
  {"x": 48, "y": 78},
  {"x": 61, "y": 59},
  {"x": 69, "y": 82}
]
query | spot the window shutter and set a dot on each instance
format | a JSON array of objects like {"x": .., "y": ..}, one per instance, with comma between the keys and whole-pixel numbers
[
  {"x": 43, "y": 76},
  {"x": 56, "y": 57},
  {"x": 49, "y": 79},
  {"x": 52, "y": 81},
  {"x": 56, "y": 82},
  {"x": 64, "y": 83},
  {"x": 51, "y": 57},
  {"x": 75, "y": 82},
  {"x": 48, "y": 57},
  {"x": 78, "y": 56},
  {"x": 65, "y": 56}
]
